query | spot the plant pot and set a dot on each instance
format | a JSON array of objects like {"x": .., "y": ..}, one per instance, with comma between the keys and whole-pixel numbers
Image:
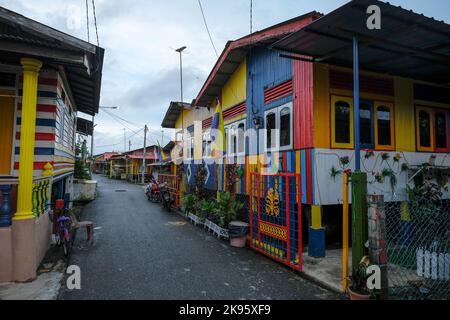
[
  {"x": 238, "y": 242},
  {"x": 358, "y": 296},
  {"x": 238, "y": 232}
]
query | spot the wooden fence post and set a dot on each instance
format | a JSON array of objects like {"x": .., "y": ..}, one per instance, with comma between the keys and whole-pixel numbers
[{"x": 377, "y": 239}]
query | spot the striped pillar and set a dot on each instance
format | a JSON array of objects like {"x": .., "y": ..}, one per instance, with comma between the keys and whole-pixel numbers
[
  {"x": 316, "y": 234},
  {"x": 31, "y": 69}
]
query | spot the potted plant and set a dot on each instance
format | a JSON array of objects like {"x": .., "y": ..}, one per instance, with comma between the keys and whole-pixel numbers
[
  {"x": 188, "y": 203},
  {"x": 208, "y": 208},
  {"x": 227, "y": 211},
  {"x": 196, "y": 213},
  {"x": 358, "y": 289}
]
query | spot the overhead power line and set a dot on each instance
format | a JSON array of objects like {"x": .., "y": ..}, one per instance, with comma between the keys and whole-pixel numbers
[
  {"x": 121, "y": 122},
  {"x": 95, "y": 22},
  {"x": 207, "y": 28},
  {"x": 87, "y": 21},
  {"x": 124, "y": 123},
  {"x": 109, "y": 145}
]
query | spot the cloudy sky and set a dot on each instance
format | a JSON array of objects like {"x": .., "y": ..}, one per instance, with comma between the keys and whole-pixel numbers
[{"x": 141, "y": 72}]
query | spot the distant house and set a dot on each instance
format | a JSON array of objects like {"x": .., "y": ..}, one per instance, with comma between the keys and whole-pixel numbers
[
  {"x": 102, "y": 163},
  {"x": 129, "y": 165},
  {"x": 181, "y": 117},
  {"x": 46, "y": 78}
]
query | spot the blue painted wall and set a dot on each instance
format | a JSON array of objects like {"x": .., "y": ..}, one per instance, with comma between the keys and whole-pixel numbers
[{"x": 265, "y": 69}]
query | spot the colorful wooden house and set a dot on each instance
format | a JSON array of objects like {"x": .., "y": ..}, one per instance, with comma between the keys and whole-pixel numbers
[
  {"x": 184, "y": 118},
  {"x": 102, "y": 163},
  {"x": 288, "y": 101},
  {"x": 46, "y": 77},
  {"x": 129, "y": 165},
  {"x": 252, "y": 82}
]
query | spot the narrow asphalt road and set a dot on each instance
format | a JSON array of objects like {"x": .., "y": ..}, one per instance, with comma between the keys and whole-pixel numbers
[{"x": 141, "y": 252}]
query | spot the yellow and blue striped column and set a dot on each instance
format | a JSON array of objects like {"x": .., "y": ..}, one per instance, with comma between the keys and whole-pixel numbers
[
  {"x": 31, "y": 69},
  {"x": 317, "y": 247}
]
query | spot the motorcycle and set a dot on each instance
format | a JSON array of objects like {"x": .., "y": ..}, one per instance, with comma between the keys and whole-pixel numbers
[
  {"x": 153, "y": 191},
  {"x": 166, "y": 197}
]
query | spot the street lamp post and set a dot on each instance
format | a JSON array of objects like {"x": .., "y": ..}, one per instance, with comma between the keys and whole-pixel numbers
[{"x": 180, "y": 51}]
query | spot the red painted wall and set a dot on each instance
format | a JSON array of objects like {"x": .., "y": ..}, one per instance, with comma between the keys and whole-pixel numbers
[{"x": 303, "y": 105}]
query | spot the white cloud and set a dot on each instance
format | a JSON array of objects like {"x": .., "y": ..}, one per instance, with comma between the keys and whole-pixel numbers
[{"x": 141, "y": 69}]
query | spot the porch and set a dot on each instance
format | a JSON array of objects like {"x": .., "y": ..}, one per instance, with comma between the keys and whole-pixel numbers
[{"x": 23, "y": 242}]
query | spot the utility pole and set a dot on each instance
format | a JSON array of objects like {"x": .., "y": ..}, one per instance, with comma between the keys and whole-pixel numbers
[
  {"x": 180, "y": 51},
  {"x": 145, "y": 154},
  {"x": 129, "y": 146},
  {"x": 124, "y": 140},
  {"x": 92, "y": 145}
]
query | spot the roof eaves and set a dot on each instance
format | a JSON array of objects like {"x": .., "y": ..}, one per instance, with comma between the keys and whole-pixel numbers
[{"x": 250, "y": 39}]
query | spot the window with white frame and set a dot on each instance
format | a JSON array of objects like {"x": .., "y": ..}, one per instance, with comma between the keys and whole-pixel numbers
[
  {"x": 235, "y": 138},
  {"x": 207, "y": 145},
  {"x": 190, "y": 146},
  {"x": 179, "y": 136},
  {"x": 279, "y": 128}
]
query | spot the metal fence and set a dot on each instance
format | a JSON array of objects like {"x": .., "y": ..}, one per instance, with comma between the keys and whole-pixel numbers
[
  {"x": 417, "y": 234},
  {"x": 276, "y": 217}
]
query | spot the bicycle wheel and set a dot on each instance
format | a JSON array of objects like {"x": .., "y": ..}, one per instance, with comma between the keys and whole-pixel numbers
[
  {"x": 66, "y": 248},
  {"x": 67, "y": 242}
]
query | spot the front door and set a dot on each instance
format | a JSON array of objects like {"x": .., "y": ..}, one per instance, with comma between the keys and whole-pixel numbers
[{"x": 6, "y": 131}]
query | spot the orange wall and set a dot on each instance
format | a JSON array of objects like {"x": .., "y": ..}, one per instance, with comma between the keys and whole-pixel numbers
[{"x": 6, "y": 131}]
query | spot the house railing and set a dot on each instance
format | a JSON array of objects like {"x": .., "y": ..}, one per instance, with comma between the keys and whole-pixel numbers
[
  {"x": 40, "y": 198},
  {"x": 6, "y": 187}
]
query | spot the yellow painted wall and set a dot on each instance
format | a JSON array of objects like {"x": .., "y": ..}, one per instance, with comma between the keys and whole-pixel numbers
[
  {"x": 322, "y": 107},
  {"x": 405, "y": 131},
  {"x": 6, "y": 131},
  {"x": 235, "y": 90},
  {"x": 190, "y": 118},
  {"x": 403, "y": 101}
]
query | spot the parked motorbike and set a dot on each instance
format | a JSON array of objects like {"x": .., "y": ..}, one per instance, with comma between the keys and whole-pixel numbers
[
  {"x": 153, "y": 191},
  {"x": 166, "y": 197}
]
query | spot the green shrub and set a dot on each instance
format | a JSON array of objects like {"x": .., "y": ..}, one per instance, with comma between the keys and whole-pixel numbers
[
  {"x": 189, "y": 203},
  {"x": 81, "y": 171},
  {"x": 227, "y": 209}
]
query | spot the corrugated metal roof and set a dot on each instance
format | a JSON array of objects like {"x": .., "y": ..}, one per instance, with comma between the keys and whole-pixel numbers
[
  {"x": 408, "y": 44},
  {"x": 173, "y": 113},
  {"x": 80, "y": 62},
  {"x": 235, "y": 52}
]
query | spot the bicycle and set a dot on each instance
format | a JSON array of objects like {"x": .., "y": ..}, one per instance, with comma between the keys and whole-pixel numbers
[
  {"x": 63, "y": 228},
  {"x": 63, "y": 235}
]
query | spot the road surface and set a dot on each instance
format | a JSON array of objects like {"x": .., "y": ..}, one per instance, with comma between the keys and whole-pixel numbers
[{"x": 141, "y": 252}]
